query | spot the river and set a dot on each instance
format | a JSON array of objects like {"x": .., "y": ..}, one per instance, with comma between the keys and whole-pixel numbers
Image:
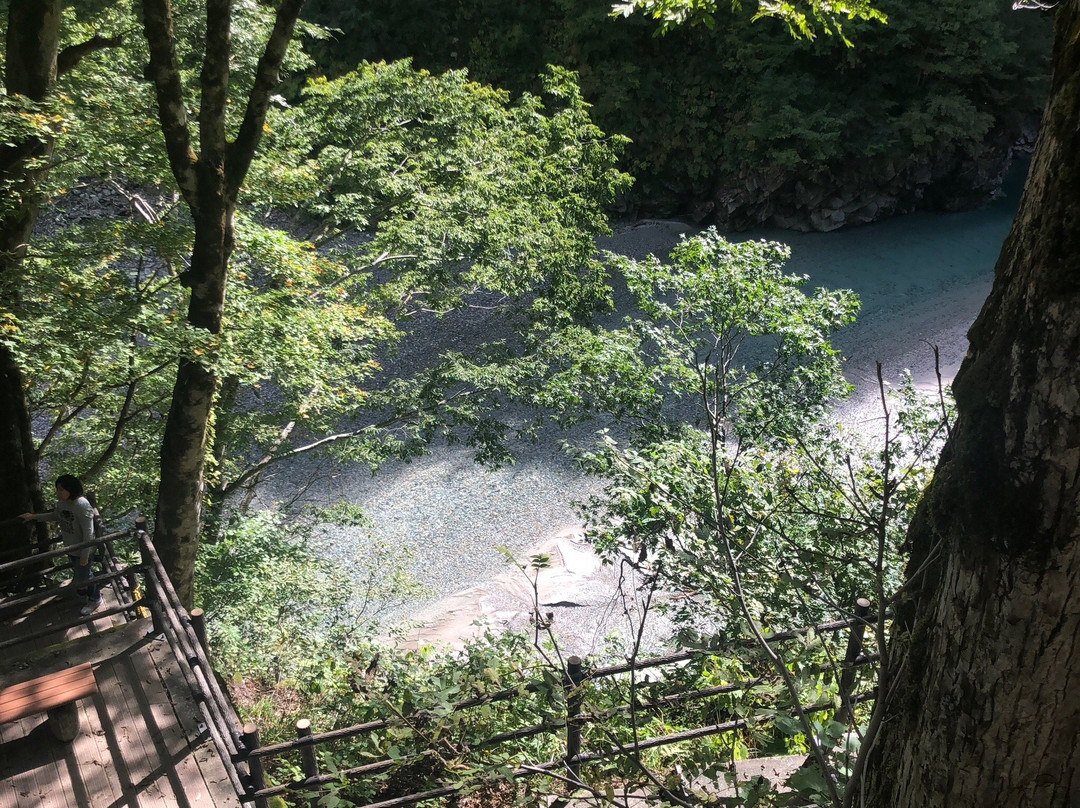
[{"x": 921, "y": 278}]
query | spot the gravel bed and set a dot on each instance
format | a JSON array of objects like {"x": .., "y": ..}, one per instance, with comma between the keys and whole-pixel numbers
[{"x": 921, "y": 278}]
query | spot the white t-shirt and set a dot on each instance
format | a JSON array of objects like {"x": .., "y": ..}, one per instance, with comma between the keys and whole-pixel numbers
[{"x": 76, "y": 518}]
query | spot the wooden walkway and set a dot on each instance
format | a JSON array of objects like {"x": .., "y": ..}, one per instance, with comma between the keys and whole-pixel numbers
[{"x": 141, "y": 742}]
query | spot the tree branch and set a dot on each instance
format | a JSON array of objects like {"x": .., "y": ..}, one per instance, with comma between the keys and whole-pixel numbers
[
  {"x": 242, "y": 150},
  {"x": 72, "y": 54},
  {"x": 164, "y": 71},
  {"x": 214, "y": 83},
  {"x": 118, "y": 430},
  {"x": 270, "y": 459}
]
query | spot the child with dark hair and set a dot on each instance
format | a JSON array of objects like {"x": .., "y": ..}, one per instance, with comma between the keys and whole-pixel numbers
[{"x": 75, "y": 515}]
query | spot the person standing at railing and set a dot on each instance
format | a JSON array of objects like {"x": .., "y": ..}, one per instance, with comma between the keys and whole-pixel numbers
[{"x": 75, "y": 515}]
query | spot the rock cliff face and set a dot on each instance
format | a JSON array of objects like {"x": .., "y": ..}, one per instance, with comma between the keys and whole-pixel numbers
[{"x": 845, "y": 195}]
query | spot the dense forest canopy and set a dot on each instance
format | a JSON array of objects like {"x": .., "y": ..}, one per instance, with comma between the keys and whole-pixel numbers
[{"x": 737, "y": 123}]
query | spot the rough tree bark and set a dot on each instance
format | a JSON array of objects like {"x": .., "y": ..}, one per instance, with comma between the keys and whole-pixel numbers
[
  {"x": 982, "y": 689},
  {"x": 210, "y": 183}
]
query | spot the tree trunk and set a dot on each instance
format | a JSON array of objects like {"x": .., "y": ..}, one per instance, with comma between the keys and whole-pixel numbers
[
  {"x": 31, "y": 53},
  {"x": 187, "y": 429},
  {"x": 210, "y": 184},
  {"x": 982, "y": 687}
]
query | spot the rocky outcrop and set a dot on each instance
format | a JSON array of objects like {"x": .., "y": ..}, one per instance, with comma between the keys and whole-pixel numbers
[
  {"x": 842, "y": 195},
  {"x": 845, "y": 195}
]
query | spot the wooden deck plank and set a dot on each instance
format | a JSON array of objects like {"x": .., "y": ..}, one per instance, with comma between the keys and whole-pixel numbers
[
  {"x": 94, "y": 649},
  {"x": 123, "y": 742},
  {"x": 185, "y": 777},
  {"x": 74, "y": 778},
  {"x": 38, "y": 791},
  {"x": 142, "y": 743},
  {"x": 211, "y": 771},
  {"x": 170, "y": 704},
  {"x": 53, "y": 778},
  {"x": 163, "y": 728},
  {"x": 15, "y": 767},
  {"x": 95, "y": 765},
  {"x": 62, "y": 779},
  {"x": 125, "y": 734}
]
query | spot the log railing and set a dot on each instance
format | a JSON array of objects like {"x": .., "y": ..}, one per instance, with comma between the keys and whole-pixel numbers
[
  {"x": 575, "y": 679},
  {"x": 146, "y": 587},
  {"x": 185, "y": 633},
  {"x": 45, "y": 564}
]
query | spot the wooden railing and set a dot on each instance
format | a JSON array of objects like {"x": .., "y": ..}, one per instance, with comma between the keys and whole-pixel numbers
[
  {"x": 140, "y": 589},
  {"x": 147, "y": 587},
  {"x": 45, "y": 564},
  {"x": 575, "y": 680},
  {"x": 186, "y": 633}
]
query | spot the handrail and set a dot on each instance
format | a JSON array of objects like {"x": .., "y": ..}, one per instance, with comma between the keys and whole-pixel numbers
[
  {"x": 511, "y": 692},
  {"x": 239, "y": 749},
  {"x": 175, "y": 624},
  {"x": 577, "y": 676},
  {"x": 8, "y": 604},
  {"x": 37, "y": 558},
  {"x": 782, "y": 636},
  {"x": 530, "y": 771},
  {"x": 67, "y": 624},
  {"x": 41, "y": 595},
  {"x": 192, "y": 648}
]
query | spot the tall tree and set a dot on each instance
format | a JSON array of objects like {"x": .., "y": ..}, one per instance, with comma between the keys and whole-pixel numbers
[
  {"x": 209, "y": 181},
  {"x": 32, "y": 61},
  {"x": 33, "y": 36},
  {"x": 456, "y": 189},
  {"x": 980, "y": 697}
]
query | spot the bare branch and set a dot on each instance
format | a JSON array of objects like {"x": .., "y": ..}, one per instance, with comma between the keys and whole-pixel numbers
[
  {"x": 940, "y": 389},
  {"x": 118, "y": 428},
  {"x": 72, "y": 54},
  {"x": 329, "y": 440}
]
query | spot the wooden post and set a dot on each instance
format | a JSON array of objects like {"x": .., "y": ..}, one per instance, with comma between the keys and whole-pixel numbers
[
  {"x": 854, "y": 649},
  {"x": 307, "y": 755},
  {"x": 256, "y": 774},
  {"x": 132, "y": 588},
  {"x": 153, "y": 596},
  {"x": 198, "y": 625},
  {"x": 574, "y": 699},
  {"x": 64, "y": 722}
]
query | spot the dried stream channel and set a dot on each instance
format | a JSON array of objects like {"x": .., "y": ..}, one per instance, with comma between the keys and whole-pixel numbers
[{"x": 921, "y": 278}]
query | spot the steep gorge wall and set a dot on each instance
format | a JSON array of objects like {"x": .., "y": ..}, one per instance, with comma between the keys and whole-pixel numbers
[
  {"x": 859, "y": 193},
  {"x": 741, "y": 125}
]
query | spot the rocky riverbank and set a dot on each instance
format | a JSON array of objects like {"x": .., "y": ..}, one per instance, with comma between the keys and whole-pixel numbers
[{"x": 921, "y": 278}]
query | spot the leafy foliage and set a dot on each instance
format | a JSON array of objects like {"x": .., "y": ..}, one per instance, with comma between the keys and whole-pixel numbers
[
  {"x": 719, "y": 390},
  {"x": 459, "y": 192},
  {"x": 726, "y": 483},
  {"x": 279, "y": 610},
  {"x": 803, "y": 19}
]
